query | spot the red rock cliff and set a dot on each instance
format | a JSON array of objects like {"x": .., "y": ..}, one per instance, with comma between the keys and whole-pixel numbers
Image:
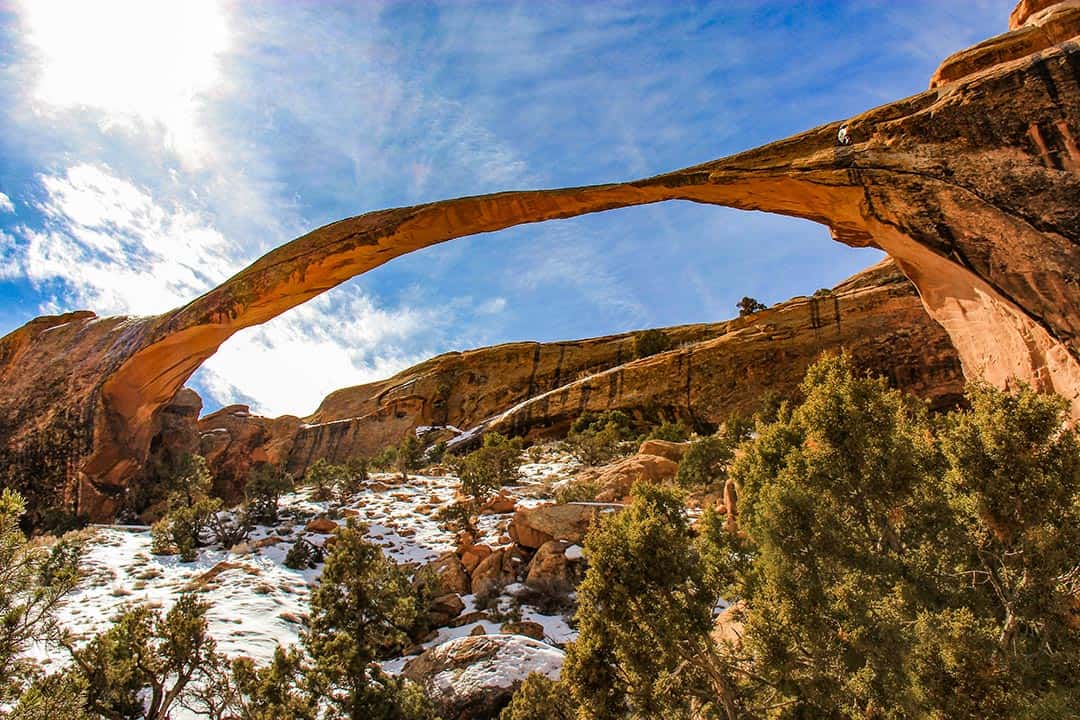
[{"x": 538, "y": 389}]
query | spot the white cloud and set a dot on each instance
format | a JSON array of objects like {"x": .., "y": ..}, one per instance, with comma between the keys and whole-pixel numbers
[
  {"x": 110, "y": 246},
  {"x": 132, "y": 60},
  {"x": 289, "y": 364},
  {"x": 6, "y": 206},
  {"x": 494, "y": 306},
  {"x": 115, "y": 249}
]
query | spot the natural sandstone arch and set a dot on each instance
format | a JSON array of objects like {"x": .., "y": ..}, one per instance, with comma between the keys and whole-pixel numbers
[{"x": 972, "y": 187}]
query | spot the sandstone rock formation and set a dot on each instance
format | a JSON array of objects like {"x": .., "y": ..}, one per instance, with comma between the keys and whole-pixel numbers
[
  {"x": 475, "y": 677},
  {"x": 551, "y": 572},
  {"x": 673, "y": 451},
  {"x": 533, "y": 527},
  {"x": 529, "y": 388},
  {"x": 971, "y": 186},
  {"x": 233, "y": 440},
  {"x": 616, "y": 480},
  {"x": 875, "y": 316}
]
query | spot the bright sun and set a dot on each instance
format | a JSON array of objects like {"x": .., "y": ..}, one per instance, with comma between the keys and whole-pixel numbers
[{"x": 134, "y": 60}]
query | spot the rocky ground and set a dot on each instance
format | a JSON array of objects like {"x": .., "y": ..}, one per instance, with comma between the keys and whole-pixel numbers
[{"x": 517, "y": 594}]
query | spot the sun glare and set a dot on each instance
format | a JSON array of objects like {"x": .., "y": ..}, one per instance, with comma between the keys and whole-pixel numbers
[{"x": 135, "y": 61}]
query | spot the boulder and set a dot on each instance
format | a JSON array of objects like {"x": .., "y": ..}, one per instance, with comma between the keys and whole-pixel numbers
[
  {"x": 728, "y": 625},
  {"x": 527, "y": 628},
  {"x": 475, "y": 677},
  {"x": 503, "y": 502},
  {"x": 532, "y": 527},
  {"x": 494, "y": 572},
  {"x": 321, "y": 525},
  {"x": 549, "y": 571},
  {"x": 444, "y": 609},
  {"x": 447, "y": 573},
  {"x": 673, "y": 451},
  {"x": 615, "y": 480},
  {"x": 473, "y": 555}
]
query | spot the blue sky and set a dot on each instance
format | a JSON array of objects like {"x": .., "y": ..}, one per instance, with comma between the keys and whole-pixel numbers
[{"x": 150, "y": 150}]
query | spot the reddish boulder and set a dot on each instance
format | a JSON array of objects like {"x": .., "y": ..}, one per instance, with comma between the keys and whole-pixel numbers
[
  {"x": 494, "y": 572},
  {"x": 532, "y": 527},
  {"x": 673, "y": 451}
]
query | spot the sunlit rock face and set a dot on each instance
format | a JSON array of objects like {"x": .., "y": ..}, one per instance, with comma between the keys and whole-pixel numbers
[
  {"x": 536, "y": 390},
  {"x": 971, "y": 187}
]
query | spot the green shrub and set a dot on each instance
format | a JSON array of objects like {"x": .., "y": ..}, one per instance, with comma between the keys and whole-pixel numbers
[
  {"x": 385, "y": 460},
  {"x": 359, "y": 613},
  {"x": 644, "y": 616},
  {"x": 577, "y": 491},
  {"x": 185, "y": 529},
  {"x": 705, "y": 463},
  {"x": 672, "y": 432},
  {"x": 598, "y": 439},
  {"x": 324, "y": 477},
  {"x": 354, "y": 480},
  {"x": 143, "y": 665},
  {"x": 540, "y": 698},
  {"x": 410, "y": 455},
  {"x": 436, "y": 453},
  {"x": 303, "y": 555},
  {"x": 34, "y": 580},
  {"x": 749, "y": 306},
  {"x": 483, "y": 471},
  {"x": 651, "y": 342},
  {"x": 265, "y": 485},
  {"x": 241, "y": 690}
]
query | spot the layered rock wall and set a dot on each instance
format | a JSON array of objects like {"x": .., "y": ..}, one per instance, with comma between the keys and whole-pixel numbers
[{"x": 536, "y": 390}]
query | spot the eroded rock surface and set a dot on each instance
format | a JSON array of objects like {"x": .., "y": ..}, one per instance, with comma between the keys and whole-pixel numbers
[
  {"x": 475, "y": 677},
  {"x": 971, "y": 186},
  {"x": 537, "y": 390}
]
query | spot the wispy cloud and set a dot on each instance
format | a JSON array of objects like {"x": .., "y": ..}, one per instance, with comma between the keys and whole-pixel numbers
[
  {"x": 6, "y": 206},
  {"x": 113, "y": 248}
]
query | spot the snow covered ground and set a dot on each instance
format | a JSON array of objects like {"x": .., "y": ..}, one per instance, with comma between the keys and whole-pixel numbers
[{"x": 255, "y": 601}]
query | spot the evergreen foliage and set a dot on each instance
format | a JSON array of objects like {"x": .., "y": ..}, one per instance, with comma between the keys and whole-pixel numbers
[
  {"x": 323, "y": 477},
  {"x": 362, "y": 608},
  {"x": 892, "y": 571},
  {"x": 481, "y": 473},
  {"x": 242, "y": 690},
  {"x": 644, "y": 615},
  {"x": 356, "y": 476},
  {"x": 672, "y": 432},
  {"x": 410, "y": 455},
  {"x": 651, "y": 342},
  {"x": 887, "y": 565},
  {"x": 143, "y": 665},
  {"x": 749, "y": 306},
  {"x": 540, "y": 698},
  {"x": 706, "y": 461},
  {"x": 191, "y": 511},
  {"x": 265, "y": 485},
  {"x": 303, "y": 555},
  {"x": 34, "y": 579},
  {"x": 598, "y": 439}
]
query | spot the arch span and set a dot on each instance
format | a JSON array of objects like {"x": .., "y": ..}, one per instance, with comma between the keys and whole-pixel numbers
[{"x": 971, "y": 186}]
